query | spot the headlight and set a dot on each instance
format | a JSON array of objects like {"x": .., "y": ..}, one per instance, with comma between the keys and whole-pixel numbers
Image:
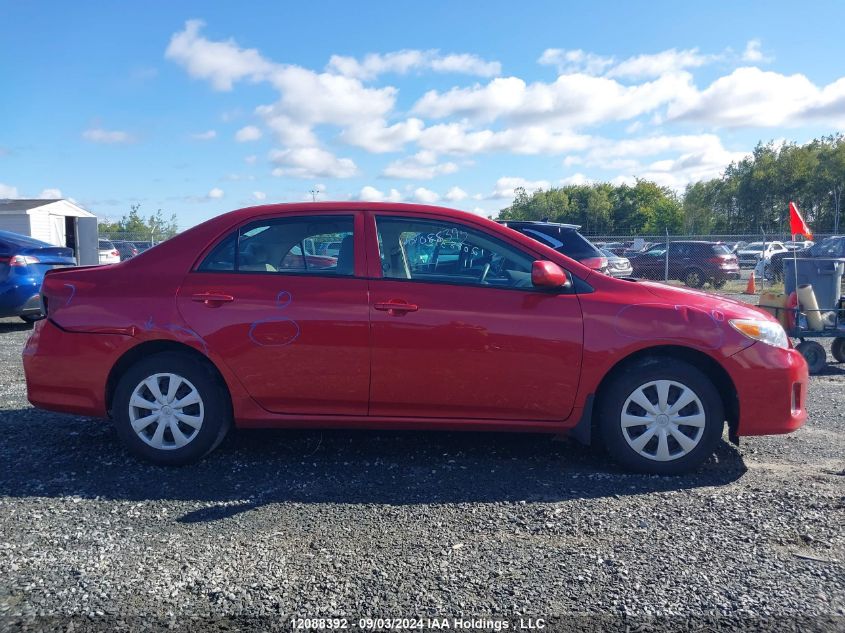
[{"x": 768, "y": 332}]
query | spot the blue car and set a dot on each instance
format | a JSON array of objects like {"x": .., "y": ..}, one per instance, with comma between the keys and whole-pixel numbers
[{"x": 23, "y": 262}]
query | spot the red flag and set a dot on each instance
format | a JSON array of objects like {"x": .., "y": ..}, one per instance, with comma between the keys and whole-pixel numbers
[{"x": 797, "y": 226}]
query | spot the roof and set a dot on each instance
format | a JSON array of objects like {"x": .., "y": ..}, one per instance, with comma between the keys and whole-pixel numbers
[{"x": 26, "y": 205}]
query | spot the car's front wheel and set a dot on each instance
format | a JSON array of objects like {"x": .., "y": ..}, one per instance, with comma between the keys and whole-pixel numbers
[
  {"x": 171, "y": 408},
  {"x": 660, "y": 415}
]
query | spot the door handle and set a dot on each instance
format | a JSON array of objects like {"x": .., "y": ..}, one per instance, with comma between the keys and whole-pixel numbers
[
  {"x": 396, "y": 308},
  {"x": 212, "y": 299}
]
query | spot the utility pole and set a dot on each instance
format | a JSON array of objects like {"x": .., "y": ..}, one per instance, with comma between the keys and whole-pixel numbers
[{"x": 314, "y": 193}]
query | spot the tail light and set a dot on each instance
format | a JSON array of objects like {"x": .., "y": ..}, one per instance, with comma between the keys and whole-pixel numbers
[
  {"x": 721, "y": 260},
  {"x": 596, "y": 263},
  {"x": 115, "y": 254},
  {"x": 20, "y": 260}
]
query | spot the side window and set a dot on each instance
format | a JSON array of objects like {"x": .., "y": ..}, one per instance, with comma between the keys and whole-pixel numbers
[
  {"x": 302, "y": 245},
  {"x": 658, "y": 250},
  {"x": 447, "y": 252}
]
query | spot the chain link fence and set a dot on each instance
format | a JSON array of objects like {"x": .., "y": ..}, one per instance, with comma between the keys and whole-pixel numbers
[{"x": 724, "y": 263}]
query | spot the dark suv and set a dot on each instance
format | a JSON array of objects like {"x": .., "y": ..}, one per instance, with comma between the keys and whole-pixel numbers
[
  {"x": 829, "y": 247},
  {"x": 694, "y": 263},
  {"x": 564, "y": 238}
]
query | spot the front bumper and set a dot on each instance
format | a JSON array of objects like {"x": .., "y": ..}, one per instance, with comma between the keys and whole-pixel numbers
[{"x": 771, "y": 385}]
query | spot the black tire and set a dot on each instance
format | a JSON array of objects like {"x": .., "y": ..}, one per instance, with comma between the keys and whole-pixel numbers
[
  {"x": 814, "y": 354},
  {"x": 837, "y": 348},
  {"x": 719, "y": 283},
  {"x": 694, "y": 278},
  {"x": 635, "y": 376},
  {"x": 214, "y": 410},
  {"x": 31, "y": 318}
]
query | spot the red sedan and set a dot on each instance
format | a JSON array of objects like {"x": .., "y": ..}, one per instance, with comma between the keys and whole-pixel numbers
[{"x": 428, "y": 318}]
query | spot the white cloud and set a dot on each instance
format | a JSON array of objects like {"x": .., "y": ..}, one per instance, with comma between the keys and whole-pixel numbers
[
  {"x": 421, "y": 166},
  {"x": 311, "y": 162},
  {"x": 50, "y": 193},
  {"x": 402, "y": 62},
  {"x": 205, "y": 136},
  {"x": 505, "y": 186},
  {"x": 658, "y": 64},
  {"x": 456, "y": 194},
  {"x": 457, "y": 138},
  {"x": 677, "y": 160},
  {"x": 575, "y": 179},
  {"x": 259, "y": 195},
  {"x": 99, "y": 135},
  {"x": 750, "y": 97},
  {"x": 216, "y": 193},
  {"x": 247, "y": 134},
  {"x": 426, "y": 196},
  {"x": 569, "y": 101},
  {"x": 574, "y": 61},
  {"x": 378, "y": 137},
  {"x": 251, "y": 159},
  {"x": 371, "y": 194},
  {"x": 638, "y": 67},
  {"x": 753, "y": 52},
  {"x": 222, "y": 63},
  {"x": 8, "y": 191}
]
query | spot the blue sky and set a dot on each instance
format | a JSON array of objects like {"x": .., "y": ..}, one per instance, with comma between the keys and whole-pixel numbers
[{"x": 198, "y": 108}]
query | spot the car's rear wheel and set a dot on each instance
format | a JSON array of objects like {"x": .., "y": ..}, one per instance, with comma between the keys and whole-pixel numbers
[
  {"x": 694, "y": 278},
  {"x": 719, "y": 283},
  {"x": 171, "y": 408},
  {"x": 661, "y": 416},
  {"x": 31, "y": 318},
  {"x": 837, "y": 348}
]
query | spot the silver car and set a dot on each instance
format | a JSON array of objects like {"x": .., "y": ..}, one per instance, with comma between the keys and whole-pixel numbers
[{"x": 617, "y": 266}]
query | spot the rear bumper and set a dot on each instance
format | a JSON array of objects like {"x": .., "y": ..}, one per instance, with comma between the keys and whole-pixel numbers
[
  {"x": 67, "y": 371},
  {"x": 20, "y": 298},
  {"x": 727, "y": 274},
  {"x": 771, "y": 385}
]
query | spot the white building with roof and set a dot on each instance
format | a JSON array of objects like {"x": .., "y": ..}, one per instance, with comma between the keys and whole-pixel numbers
[{"x": 57, "y": 221}]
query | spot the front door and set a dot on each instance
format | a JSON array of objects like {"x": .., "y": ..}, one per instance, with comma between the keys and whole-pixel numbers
[
  {"x": 458, "y": 331},
  {"x": 291, "y": 324}
]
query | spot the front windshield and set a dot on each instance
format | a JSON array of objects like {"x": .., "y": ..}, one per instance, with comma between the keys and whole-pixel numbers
[{"x": 754, "y": 246}]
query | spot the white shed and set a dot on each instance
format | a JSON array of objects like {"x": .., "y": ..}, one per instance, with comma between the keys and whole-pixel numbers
[{"x": 60, "y": 222}]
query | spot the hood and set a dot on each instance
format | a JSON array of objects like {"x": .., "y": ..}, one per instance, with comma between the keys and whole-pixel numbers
[{"x": 731, "y": 308}]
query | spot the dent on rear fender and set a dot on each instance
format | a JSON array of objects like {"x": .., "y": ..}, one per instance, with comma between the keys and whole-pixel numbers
[{"x": 671, "y": 322}]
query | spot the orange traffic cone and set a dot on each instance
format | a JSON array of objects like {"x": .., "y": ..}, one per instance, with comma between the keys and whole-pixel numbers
[{"x": 751, "y": 288}]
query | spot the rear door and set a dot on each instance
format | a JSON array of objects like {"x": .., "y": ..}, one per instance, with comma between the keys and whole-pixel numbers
[
  {"x": 293, "y": 327},
  {"x": 458, "y": 331}
]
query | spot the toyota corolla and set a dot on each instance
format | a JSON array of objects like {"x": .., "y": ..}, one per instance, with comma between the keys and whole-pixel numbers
[{"x": 412, "y": 317}]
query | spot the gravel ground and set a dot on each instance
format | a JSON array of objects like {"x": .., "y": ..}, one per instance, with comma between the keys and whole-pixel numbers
[{"x": 414, "y": 524}]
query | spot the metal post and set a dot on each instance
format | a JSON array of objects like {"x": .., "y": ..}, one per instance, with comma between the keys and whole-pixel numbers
[{"x": 666, "y": 271}]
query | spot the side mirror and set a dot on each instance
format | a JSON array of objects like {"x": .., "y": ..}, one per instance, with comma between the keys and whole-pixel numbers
[{"x": 545, "y": 274}]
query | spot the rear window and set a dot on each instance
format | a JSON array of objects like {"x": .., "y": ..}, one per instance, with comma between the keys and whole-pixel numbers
[
  {"x": 721, "y": 249},
  {"x": 566, "y": 241},
  {"x": 106, "y": 245}
]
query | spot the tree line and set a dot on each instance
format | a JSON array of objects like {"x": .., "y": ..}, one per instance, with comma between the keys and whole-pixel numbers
[
  {"x": 135, "y": 226},
  {"x": 750, "y": 197}
]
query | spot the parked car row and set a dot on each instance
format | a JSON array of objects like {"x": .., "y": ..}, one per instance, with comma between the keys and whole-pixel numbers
[{"x": 833, "y": 246}]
